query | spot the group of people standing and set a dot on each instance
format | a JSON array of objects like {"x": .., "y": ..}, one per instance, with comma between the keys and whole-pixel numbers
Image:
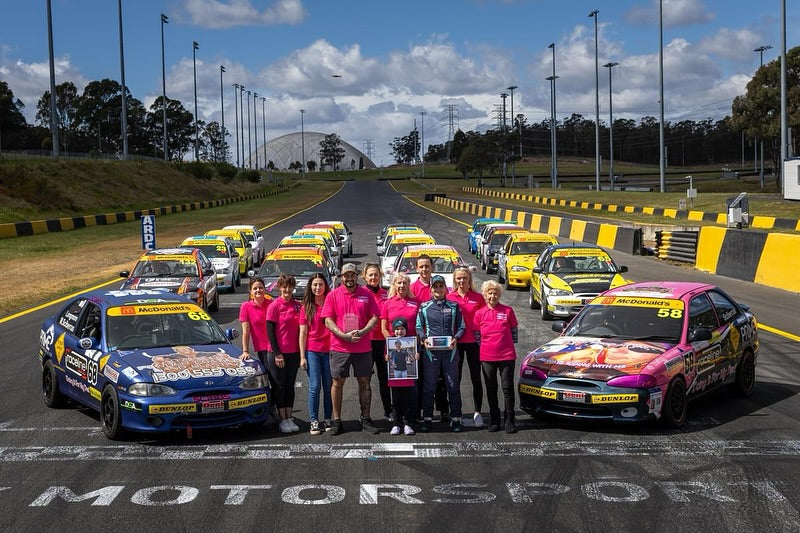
[{"x": 334, "y": 330}]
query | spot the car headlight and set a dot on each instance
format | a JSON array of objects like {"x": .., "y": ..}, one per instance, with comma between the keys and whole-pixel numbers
[
  {"x": 519, "y": 268},
  {"x": 558, "y": 292},
  {"x": 259, "y": 381},
  {"x": 223, "y": 271},
  {"x": 150, "y": 389}
]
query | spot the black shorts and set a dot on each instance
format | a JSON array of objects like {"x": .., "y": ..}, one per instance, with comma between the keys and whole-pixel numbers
[{"x": 342, "y": 361}]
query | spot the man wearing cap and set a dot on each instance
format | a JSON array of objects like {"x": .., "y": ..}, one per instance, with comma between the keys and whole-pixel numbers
[
  {"x": 350, "y": 312},
  {"x": 439, "y": 317}
]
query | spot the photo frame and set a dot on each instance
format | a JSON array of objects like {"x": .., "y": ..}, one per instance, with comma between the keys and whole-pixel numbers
[
  {"x": 440, "y": 342},
  {"x": 402, "y": 363}
]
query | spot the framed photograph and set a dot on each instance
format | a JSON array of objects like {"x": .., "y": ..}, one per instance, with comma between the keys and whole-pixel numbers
[
  {"x": 439, "y": 342},
  {"x": 402, "y": 363}
]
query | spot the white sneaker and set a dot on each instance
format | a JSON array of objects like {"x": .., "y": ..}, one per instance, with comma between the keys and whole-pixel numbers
[
  {"x": 477, "y": 420},
  {"x": 395, "y": 430},
  {"x": 408, "y": 430},
  {"x": 285, "y": 426},
  {"x": 295, "y": 428}
]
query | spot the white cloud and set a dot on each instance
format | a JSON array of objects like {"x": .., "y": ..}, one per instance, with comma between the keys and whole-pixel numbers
[
  {"x": 29, "y": 81},
  {"x": 675, "y": 13},
  {"x": 733, "y": 44},
  {"x": 222, "y": 14}
]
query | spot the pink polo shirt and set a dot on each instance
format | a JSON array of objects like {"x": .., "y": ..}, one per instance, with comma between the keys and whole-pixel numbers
[
  {"x": 318, "y": 339},
  {"x": 287, "y": 317},
  {"x": 495, "y": 327},
  {"x": 469, "y": 305},
  {"x": 398, "y": 307},
  {"x": 350, "y": 311},
  {"x": 420, "y": 290},
  {"x": 256, "y": 316},
  {"x": 380, "y": 296}
]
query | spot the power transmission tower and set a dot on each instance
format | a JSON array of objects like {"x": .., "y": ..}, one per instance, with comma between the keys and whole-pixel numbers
[
  {"x": 451, "y": 116},
  {"x": 369, "y": 145},
  {"x": 498, "y": 116}
]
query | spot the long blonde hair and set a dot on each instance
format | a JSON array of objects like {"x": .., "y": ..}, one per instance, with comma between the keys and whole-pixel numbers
[{"x": 395, "y": 277}]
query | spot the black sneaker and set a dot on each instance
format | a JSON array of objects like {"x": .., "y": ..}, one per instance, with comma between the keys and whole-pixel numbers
[
  {"x": 444, "y": 419},
  {"x": 510, "y": 427},
  {"x": 455, "y": 425},
  {"x": 425, "y": 426},
  {"x": 369, "y": 426},
  {"x": 493, "y": 427},
  {"x": 336, "y": 428}
]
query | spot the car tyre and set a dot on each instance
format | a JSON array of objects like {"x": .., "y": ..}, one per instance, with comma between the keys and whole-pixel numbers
[
  {"x": 51, "y": 392},
  {"x": 673, "y": 412},
  {"x": 545, "y": 314},
  {"x": 214, "y": 305},
  {"x": 238, "y": 279},
  {"x": 745, "y": 376},
  {"x": 110, "y": 416},
  {"x": 532, "y": 302}
]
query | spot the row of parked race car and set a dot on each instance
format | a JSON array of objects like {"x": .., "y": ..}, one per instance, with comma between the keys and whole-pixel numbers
[{"x": 151, "y": 360}]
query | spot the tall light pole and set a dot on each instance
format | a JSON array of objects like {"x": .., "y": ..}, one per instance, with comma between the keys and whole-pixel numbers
[
  {"x": 784, "y": 131},
  {"x": 661, "y": 155},
  {"x": 422, "y": 146},
  {"x": 241, "y": 114},
  {"x": 255, "y": 124},
  {"x": 303, "y": 144},
  {"x": 164, "y": 20},
  {"x": 195, "y": 46},
  {"x": 760, "y": 51},
  {"x": 553, "y": 131},
  {"x": 593, "y": 15},
  {"x": 264, "y": 128},
  {"x": 124, "y": 123},
  {"x": 236, "y": 120},
  {"x": 222, "y": 112},
  {"x": 609, "y": 66},
  {"x": 53, "y": 121},
  {"x": 249, "y": 134}
]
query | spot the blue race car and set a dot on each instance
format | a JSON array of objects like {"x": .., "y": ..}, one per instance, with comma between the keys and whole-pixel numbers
[
  {"x": 474, "y": 234},
  {"x": 149, "y": 361}
]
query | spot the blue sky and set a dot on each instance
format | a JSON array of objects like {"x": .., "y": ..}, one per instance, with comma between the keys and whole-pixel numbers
[{"x": 398, "y": 59}]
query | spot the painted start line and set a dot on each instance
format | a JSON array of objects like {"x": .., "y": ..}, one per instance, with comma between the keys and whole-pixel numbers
[{"x": 405, "y": 450}]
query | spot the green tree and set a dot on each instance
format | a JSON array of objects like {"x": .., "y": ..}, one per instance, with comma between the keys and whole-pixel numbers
[
  {"x": 212, "y": 143},
  {"x": 474, "y": 160},
  {"x": 311, "y": 165},
  {"x": 180, "y": 129},
  {"x": 331, "y": 151},
  {"x": 67, "y": 102},
  {"x": 405, "y": 149},
  {"x": 12, "y": 121}
]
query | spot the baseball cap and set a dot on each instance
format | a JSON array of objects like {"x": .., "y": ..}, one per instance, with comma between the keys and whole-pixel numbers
[
  {"x": 437, "y": 279},
  {"x": 399, "y": 323},
  {"x": 349, "y": 267}
]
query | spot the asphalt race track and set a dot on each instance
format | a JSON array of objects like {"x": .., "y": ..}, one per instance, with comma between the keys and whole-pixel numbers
[{"x": 735, "y": 465}]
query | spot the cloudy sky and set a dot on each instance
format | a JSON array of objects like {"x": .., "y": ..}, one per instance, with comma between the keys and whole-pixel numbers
[{"x": 368, "y": 69}]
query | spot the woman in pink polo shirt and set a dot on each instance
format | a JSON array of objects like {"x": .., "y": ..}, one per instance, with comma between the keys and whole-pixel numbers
[
  {"x": 372, "y": 277},
  {"x": 253, "y": 316},
  {"x": 315, "y": 347},
  {"x": 497, "y": 332},
  {"x": 283, "y": 360}
]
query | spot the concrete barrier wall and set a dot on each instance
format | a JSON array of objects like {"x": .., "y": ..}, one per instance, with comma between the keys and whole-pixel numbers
[
  {"x": 623, "y": 239},
  {"x": 35, "y": 227}
]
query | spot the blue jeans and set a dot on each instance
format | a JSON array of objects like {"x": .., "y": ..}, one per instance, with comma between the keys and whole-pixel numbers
[{"x": 319, "y": 375}]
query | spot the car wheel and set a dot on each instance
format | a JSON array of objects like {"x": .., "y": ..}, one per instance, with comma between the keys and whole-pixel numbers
[
  {"x": 214, "y": 305},
  {"x": 51, "y": 393},
  {"x": 745, "y": 376},
  {"x": 673, "y": 412},
  {"x": 531, "y": 300},
  {"x": 232, "y": 288},
  {"x": 238, "y": 279},
  {"x": 545, "y": 314},
  {"x": 110, "y": 417},
  {"x": 499, "y": 276}
]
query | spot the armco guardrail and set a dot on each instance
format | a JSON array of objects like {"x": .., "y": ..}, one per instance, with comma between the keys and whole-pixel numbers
[
  {"x": 35, "y": 227},
  {"x": 677, "y": 245},
  {"x": 623, "y": 239},
  {"x": 758, "y": 221}
]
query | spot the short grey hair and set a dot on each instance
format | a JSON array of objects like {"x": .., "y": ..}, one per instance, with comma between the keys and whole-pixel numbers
[{"x": 491, "y": 284}]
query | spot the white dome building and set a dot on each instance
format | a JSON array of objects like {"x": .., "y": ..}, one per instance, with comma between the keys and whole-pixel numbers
[{"x": 287, "y": 149}]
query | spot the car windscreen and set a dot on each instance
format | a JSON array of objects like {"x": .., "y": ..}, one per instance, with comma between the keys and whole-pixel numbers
[
  {"x": 662, "y": 323},
  {"x": 498, "y": 239},
  {"x": 579, "y": 264},
  {"x": 151, "y": 330},
  {"x": 165, "y": 268},
  {"x": 294, "y": 267},
  {"x": 213, "y": 250},
  {"x": 525, "y": 248}
]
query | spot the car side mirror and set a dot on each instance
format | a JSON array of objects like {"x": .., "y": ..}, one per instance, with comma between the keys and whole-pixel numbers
[
  {"x": 232, "y": 333},
  {"x": 699, "y": 334},
  {"x": 235, "y": 254},
  {"x": 623, "y": 269},
  {"x": 558, "y": 326},
  {"x": 537, "y": 270},
  {"x": 124, "y": 274},
  {"x": 209, "y": 272}
]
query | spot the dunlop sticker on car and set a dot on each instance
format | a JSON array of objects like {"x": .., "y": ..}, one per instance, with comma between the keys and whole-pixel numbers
[
  {"x": 245, "y": 402},
  {"x": 172, "y": 408},
  {"x": 614, "y": 398},
  {"x": 538, "y": 391}
]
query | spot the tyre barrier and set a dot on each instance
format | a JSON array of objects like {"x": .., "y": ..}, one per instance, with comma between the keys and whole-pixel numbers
[
  {"x": 36, "y": 227},
  {"x": 677, "y": 245}
]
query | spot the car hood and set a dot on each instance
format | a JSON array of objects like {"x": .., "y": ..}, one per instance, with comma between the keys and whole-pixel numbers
[
  {"x": 185, "y": 368},
  {"x": 171, "y": 283},
  {"x": 585, "y": 283},
  {"x": 595, "y": 358},
  {"x": 523, "y": 259}
]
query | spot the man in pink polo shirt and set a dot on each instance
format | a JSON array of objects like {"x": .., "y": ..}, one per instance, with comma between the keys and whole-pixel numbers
[
  {"x": 350, "y": 313},
  {"x": 421, "y": 288}
]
